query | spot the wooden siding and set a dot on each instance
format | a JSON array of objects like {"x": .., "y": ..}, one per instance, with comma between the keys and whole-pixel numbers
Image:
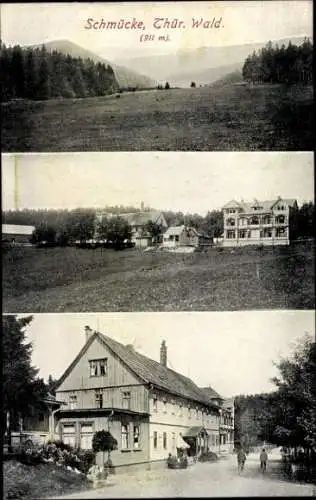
[
  {"x": 117, "y": 373},
  {"x": 112, "y": 398}
]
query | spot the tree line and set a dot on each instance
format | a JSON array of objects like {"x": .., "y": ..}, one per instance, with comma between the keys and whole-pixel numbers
[
  {"x": 22, "y": 389},
  {"x": 285, "y": 417},
  {"x": 274, "y": 64},
  {"x": 35, "y": 73},
  {"x": 62, "y": 227}
]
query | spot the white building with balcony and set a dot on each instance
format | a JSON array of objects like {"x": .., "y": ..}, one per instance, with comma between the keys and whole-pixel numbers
[{"x": 258, "y": 223}]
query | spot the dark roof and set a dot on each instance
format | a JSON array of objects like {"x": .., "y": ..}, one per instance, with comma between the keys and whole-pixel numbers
[
  {"x": 210, "y": 393},
  {"x": 148, "y": 370},
  {"x": 266, "y": 205},
  {"x": 194, "y": 432},
  {"x": 141, "y": 218}
]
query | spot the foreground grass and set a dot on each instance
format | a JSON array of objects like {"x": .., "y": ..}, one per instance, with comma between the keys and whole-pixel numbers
[
  {"x": 73, "y": 280},
  {"x": 21, "y": 482},
  {"x": 232, "y": 118}
]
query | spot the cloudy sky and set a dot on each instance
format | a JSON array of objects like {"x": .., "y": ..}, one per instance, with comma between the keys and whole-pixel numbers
[
  {"x": 190, "y": 182},
  {"x": 242, "y": 22},
  {"x": 232, "y": 351}
]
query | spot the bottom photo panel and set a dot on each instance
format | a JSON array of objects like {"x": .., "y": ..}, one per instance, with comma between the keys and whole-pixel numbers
[{"x": 130, "y": 405}]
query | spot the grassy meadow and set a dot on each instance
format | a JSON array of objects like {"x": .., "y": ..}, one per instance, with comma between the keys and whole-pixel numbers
[
  {"x": 80, "y": 280},
  {"x": 229, "y": 118}
]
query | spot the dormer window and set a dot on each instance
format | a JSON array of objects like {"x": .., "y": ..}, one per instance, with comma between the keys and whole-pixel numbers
[{"x": 98, "y": 367}]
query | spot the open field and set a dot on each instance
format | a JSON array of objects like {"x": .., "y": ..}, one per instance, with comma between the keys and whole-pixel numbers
[
  {"x": 79, "y": 280},
  {"x": 231, "y": 118}
]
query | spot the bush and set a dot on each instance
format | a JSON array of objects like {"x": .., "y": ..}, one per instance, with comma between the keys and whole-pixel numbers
[
  {"x": 31, "y": 456},
  {"x": 87, "y": 459}
]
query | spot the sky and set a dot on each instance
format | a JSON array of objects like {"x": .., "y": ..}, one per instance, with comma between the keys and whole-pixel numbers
[
  {"x": 242, "y": 22},
  {"x": 189, "y": 182},
  {"x": 231, "y": 351}
]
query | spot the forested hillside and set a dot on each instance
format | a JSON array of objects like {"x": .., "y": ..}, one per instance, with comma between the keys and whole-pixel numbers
[
  {"x": 274, "y": 64},
  {"x": 35, "y": 73}
]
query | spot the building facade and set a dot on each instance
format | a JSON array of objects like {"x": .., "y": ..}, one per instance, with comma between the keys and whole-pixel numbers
[
  {"x": 149, "y": 409},
  {"x": 258, "y": 223}
]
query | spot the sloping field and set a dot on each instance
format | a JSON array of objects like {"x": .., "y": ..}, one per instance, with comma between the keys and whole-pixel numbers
[
  {"x": 231, "y": 118},
  {"x": 78, "y": 280}
]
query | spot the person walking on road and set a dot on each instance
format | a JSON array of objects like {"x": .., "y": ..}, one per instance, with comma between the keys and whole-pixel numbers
[
  {"x": 263, "y": 460},
  {"x": 241, "y": 459}
]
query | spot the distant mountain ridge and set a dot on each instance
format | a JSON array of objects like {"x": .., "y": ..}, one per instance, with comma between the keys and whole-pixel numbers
[
  {"x": 126, "y": 77},
  {"x": 196, "y": 64}
]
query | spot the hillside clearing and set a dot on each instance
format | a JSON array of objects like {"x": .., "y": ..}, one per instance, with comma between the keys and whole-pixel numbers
[
  {"x": 78, "y": 280},
  {"x": 230, "y": 118}
]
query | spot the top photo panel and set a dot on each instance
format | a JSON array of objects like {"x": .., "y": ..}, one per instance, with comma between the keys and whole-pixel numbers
[{"x": 189, "y": 76}]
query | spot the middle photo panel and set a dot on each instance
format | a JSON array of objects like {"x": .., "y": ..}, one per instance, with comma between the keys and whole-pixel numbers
[{"x": 103, "y": 232}]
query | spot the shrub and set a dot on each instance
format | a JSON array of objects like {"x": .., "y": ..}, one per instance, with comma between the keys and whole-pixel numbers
[
  {"x": 87, "y": 459},
  {"x": 31, "y": 456}
]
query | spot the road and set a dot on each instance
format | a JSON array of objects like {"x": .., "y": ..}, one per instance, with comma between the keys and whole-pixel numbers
[{"x": 219, "y": 479}]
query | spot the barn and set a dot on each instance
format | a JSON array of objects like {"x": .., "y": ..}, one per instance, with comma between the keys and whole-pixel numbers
[{"x": 17, "y": 234}]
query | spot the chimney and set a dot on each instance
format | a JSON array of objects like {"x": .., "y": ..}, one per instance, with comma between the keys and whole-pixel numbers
[
  {"x": 88, "y": 332},
  {"x": 163, "y": 353}
]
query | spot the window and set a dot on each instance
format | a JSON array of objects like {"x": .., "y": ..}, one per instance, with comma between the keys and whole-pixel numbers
[
  {"x": 230, "y": 235},
  {"x": 180, "y": 411},
  {"x": 127, "y": 400},
  {"x": 230, "y": 222},
  {"x": 189, "y": 412},
  {"x": 231, "y": 210},
  {"x": 86, "y": 434},
  {"x": 155, "y": 403},
  {"x": 280, "y": 219},
  {"x": 243, "y": 221},
  {"x": 41, "y": 417},
  {"x": 99, "y": 398},
  {"x": 124, "y": 437},
  {"x": 197, "y": 414},
  {"x": 176, "y": 237},
  {"x": 173, "y": 441},
  {"x": 242, "y": 233},
  {"x": 155, "y": 440},
  {"x": 254, "y": 220},
  {"x": 73, "y": 403},
  {"x": 165, "y": 406},
  {"x": 136, "y": 439},
  {"x": 69, "y": 434},
  {"x": 164, "y": 440},
  {"x": 267, "y": 219},
  {"x": 98, "y": 367},
  {"x": 280, "y": 232},
  {"x": 267, "y": 233}
]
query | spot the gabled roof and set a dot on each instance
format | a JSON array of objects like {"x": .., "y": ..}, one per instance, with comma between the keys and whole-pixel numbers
[
  {"x": 147, "y": 370},
  {"x": 17, "y": 229},
  {"x": 232, "y": 204},
  {"x": 265, "y": 205},
  {"x": 177, "y": 230},
  {"x": 141, "y": 218},
  {"x": 174, "y": 230},
  {"x": 211, "y": 393}
]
